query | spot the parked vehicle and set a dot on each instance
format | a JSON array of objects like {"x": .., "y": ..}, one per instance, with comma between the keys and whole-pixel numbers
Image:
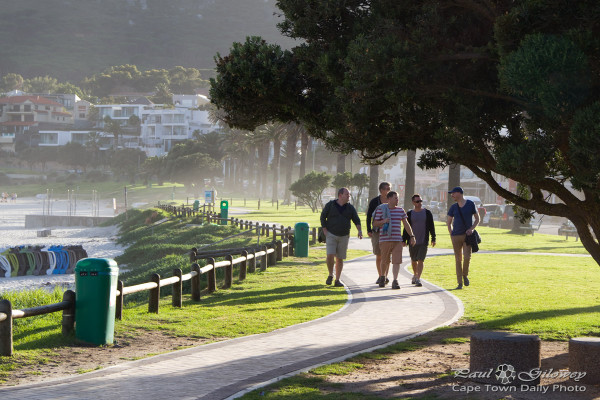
[
  {"x": 489, "y": 209},
  {"x": 478, "y": 204},
  {"x": 502, "y": 217}
]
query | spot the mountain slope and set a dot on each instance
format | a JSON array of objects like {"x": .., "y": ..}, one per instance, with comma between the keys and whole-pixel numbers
[{"x": 71, "y": 39}]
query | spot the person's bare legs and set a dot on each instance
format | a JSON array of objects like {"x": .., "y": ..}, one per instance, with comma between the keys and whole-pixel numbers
[
  {"x": 418, "y": 268},
  {"x": 378, "y": 261},
  {"x": 395, "y": 271},
  {"x": 330, "y": 263},
  {"x": 339, "y": 265}
]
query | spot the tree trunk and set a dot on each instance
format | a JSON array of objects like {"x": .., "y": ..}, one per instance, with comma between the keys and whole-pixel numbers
[
  {"x": 304, "y": 149},
  {"x": 341, "y": 163},
  {"x": 253, "y": 171},
  {"x": 275, "y": 168},
  {"x": 373, "y": 181},
  {"x": 263, "y": 161},
  {"x": 409, "y": 183},
  {"x": 453, "y": 181},
  {"x": 290, "y": 153}
]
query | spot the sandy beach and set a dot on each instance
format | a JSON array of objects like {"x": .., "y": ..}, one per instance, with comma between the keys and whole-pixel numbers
[{"x": 98, "y": 242}]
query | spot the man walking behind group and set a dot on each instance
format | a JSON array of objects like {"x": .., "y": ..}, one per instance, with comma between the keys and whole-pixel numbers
[
  {"x": 384, "y": 188},
  {"x": 421, "y": 221},
  {"x": 390, "y": 240},
  {"x": 335, "y": 221},
  {"x": 460, "y": 225}
]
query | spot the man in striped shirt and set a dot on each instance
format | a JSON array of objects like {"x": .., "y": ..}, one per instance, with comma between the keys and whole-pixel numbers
[{"x": 391, "y": 242}]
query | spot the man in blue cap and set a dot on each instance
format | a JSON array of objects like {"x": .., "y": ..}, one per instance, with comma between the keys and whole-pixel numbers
[{"x": 460, "y": 225}]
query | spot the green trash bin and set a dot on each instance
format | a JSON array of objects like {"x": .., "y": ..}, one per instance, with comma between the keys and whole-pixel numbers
[
  {"x": 301, "y": 239},
  {"x": 95, "y": 300},
  {"x": 196, "y": 205},
  {"x": 224, "y": 212}
]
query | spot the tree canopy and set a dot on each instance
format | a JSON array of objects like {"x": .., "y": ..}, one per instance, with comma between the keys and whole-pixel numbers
[{"x": 505, "y": 87}]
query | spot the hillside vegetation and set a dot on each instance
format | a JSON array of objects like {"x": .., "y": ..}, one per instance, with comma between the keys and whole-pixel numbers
[{"x": 69, "y": 39}]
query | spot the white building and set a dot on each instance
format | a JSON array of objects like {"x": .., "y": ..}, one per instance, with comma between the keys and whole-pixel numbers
[{"x": 158, "y": 131}]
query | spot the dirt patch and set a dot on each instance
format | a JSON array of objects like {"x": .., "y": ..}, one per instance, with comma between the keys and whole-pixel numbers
[
  {"x": 68, "y": 361},
  {"x": 418, "y": 373},
  {"x": 429, "y": 372}
]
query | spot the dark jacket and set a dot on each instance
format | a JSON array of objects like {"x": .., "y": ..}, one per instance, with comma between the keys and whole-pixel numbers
[
  {"x": 429, "y": 227},
  {"x": 336, "y": 223},
  {"x": 375, "y": 201}
]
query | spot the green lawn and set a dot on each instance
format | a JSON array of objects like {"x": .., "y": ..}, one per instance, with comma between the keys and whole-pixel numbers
[{"x": 552, "y": 296}]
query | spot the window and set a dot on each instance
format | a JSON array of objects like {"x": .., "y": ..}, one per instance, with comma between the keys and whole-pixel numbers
[
  {"x": 15, "y": 107},
  {"x": 49, "y": 138},
  {"x": 29, "y": 118},
  {"x": 27, "y": 108},
  {"x": 81, "y": 115}
]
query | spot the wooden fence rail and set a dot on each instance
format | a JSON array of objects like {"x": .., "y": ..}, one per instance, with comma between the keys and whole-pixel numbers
[
  {"x": 246, "y": 257},
  {"x": 7, "y": 314}
]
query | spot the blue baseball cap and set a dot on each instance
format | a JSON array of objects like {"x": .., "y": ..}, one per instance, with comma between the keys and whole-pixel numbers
[{"x": 457, "y": 189}]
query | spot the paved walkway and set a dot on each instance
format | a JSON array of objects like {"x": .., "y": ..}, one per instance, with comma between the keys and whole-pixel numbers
[{"x": 373, "y": 317}]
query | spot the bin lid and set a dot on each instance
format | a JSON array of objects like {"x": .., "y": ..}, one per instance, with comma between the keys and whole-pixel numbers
[
  {"x": 224, "y": 204},
  {"x": 106, "y": 265},
  {"x": 301, "y": 226}
]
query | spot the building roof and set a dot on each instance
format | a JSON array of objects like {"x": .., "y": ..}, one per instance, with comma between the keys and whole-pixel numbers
[{"x": 33, "y": 99}]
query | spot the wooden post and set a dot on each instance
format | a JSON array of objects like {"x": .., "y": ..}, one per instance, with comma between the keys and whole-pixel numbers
[
  {"x": 268, "y": 228},
  {"x": 68, "y": 315},
  {"x": 229, "y": 271},
  {"x": 263, "y": 259},
  {"x": 154, "y": 296},
  {"x": 278, "y": 204},
  {"x": 119, "y": 305},
  {"x": 244, "y": 265},
  {"x": 177, "y": 288},
  {"x": 314, "y": 235},
  {"x": 262, "y": 229},
  {"x": 193, "y": 254},
  {"x": 6, "y": 334},
  {"x": 196, "y": 283},
  {"x": 286, "y": 249},
  {"x": 274, "y": 232},
  {"x": 259, "y": 204},
  {"x": 211, "y": 276},
  {"x": 279, "y": 250},
  {"x": 272, "y": 256},
  {"x": 252, "y": 262},
  {"x": 244, "y": 202},
  {"x": 291, "y": 246}
]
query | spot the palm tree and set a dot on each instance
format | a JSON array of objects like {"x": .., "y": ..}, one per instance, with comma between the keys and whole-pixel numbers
[
  {"x": 93, "y": 145},
  {"x": 113, "y": 127}
]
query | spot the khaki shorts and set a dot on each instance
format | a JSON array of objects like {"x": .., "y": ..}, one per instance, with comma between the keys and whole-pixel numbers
[
  {"x": 337, "y": 245},
  {"x": 375, "y": 243},
  {"x": 393, "y": 249}
]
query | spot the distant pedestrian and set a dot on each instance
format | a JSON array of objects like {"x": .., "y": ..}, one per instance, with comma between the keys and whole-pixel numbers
[
  {"x": 421, "y": 222},
  {"x": 384, "y": 188},
  {"x": 335, "y": 221},
  {"x": 390, "y": 239},
  {"x": 460, "y": 224}
]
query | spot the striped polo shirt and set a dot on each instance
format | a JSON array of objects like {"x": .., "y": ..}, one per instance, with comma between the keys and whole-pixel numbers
[{"x": 395, "y": 230}]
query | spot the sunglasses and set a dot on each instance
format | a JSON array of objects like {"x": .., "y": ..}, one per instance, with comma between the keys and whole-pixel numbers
[{"x": 418, "y": 201}]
